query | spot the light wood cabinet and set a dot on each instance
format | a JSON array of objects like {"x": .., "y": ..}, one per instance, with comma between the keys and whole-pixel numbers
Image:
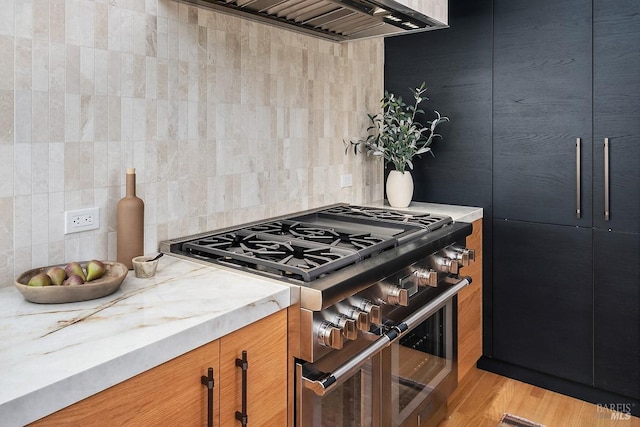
[
  {"x": 170, "y": 394},
  {"x": 470, "y": 308},
  {"x": 173, "y": 394},
  {"x": 266, "y": 345}
]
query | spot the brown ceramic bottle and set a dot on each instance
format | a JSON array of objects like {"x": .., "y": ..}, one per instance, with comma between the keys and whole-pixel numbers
[{"x": 130, "y": 223}]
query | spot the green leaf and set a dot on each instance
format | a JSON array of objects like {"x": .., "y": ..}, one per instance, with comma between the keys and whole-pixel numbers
[{"x": 394, "y": 135}]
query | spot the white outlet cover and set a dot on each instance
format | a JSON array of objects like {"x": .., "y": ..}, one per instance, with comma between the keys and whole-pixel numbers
[
  {"x": 81, "y": 220},
  {"x": 346, "y": 180}
]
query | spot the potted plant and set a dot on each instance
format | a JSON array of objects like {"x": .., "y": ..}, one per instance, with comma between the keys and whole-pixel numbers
[{"x": 395, "y": 136}]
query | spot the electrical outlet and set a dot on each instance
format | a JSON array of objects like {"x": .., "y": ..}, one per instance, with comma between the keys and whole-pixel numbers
[
  {"x": 346, "y": 180},
  {"x": 81, "y": 220}
]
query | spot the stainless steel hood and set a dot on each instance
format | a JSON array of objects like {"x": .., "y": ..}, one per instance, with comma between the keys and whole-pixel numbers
[{"x": 337, "y": 20}]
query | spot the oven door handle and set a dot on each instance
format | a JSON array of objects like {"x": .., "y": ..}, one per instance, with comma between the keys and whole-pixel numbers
[{"x": 327, "y": 383}]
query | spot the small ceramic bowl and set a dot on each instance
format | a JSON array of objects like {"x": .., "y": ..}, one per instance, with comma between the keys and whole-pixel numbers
[{"x": 143, "y": 268}]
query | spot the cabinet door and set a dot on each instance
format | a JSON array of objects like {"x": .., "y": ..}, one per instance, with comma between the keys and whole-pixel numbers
[
  {"x": 543, "y": 298},
  {"x": 617, "y": 312},
  {"x": 616, "y": 104},
  {"x": 170, "y": 394},
  {"x": 455, "y": 64},
  {"x": 470, "y": 308},
  {"x": 265, "y": 342},
  {"x": 542, "y": 103}
]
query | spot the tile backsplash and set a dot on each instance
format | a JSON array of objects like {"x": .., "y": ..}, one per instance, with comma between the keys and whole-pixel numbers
[{"x": 225, "y": 121}]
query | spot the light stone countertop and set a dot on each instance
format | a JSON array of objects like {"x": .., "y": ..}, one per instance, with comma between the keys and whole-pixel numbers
[
  {"x": 457, "y": 213},
  {"x": 53, "y": 355}
]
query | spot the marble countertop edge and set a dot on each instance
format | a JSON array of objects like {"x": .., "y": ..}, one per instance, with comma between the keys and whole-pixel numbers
[
  {"x": 67, "y": 391},
  {"x": 456, "y": 212},
  {"x": 126, "y": 340}
]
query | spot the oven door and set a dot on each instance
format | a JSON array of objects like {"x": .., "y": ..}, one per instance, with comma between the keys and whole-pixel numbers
[
  {"x": 350, "y": 403},
  {"x": 419, "y": 370},
  {"x": 396, "y": 380}
]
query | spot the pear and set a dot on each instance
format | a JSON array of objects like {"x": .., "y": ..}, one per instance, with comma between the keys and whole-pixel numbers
[
  {"x": 40, "y": 279},
  {"x": 73, "y": 280},
  {"x": 75, "y": 268},
  {"x": 57, "y": 275},
  {"x": 95, "y": 270}
]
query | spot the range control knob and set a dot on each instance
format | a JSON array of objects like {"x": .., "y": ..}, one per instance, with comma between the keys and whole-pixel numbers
[
  {"x": 444, "y": 264},
  {"x": 397, "y": 295},
  {"x": 348, "y": 326},
  {"x": 463, "y": 256},
  {"x": 426, "y": 277},
  {"x": 373, "y": 310},
  {"x": 360, "y": 317},
  {"x": 329, "y": 335}
]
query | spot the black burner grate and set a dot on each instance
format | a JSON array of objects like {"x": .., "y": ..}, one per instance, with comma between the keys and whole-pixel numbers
[
  {"x": 332, "y": 236},
  {"x": 297, "y": 259},
  {"x": 425, "y": 220},
  {"x": 312, "y": 245}
]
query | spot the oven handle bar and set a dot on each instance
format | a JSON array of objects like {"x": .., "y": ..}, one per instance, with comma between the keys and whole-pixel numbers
[{"x": 323, "y": 386}]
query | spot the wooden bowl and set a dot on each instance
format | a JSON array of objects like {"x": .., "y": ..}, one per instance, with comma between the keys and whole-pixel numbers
[{"x": 106, "y": 285}]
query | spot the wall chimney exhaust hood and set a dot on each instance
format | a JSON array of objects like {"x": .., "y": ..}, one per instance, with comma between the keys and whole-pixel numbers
[{"x": 339, "y": 20}]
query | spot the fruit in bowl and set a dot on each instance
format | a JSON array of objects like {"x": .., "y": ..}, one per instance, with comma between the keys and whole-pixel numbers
[
  {"x": 75, "y": 281},
  {"x": 75, "y": 269},
  {"x": 40, "y": 279},
  {"x": 57, "y": 275},
  {"x": 71, "y": 275},
  {"x": 95, "y": 270}
]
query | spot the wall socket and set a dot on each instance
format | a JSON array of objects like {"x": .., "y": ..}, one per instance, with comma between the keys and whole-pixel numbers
[
  {"x": 81, "y": 220},
  {"x": 346, "y": 180}
]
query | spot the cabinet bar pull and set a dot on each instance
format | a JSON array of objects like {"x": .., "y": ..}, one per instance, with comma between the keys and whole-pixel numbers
[
  {"x": 243, "y": 364},
  {"x": 578, "y": 201},
  {"x": 208, "y": 382},
  {"x": 606, "y": 179}
]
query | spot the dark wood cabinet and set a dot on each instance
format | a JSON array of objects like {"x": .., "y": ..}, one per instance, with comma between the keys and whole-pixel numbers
[
  {"x": 617, "y": 312},
  {"x": 543, "y": 298},
  {"x": 542, "y": 114},
  {"x": 568, "y": 265},
  {"x": 561, "y": 290},
  {"x": 541, "y": 105},
  {"x": 455, "y": 64},
  {"x": 616, "y": 112},
  {"x": 616, "y": 116}
]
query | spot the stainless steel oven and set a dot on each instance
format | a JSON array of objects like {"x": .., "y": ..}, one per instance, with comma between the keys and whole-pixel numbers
[
  {"x": 423, "y": 367},
  {"x": 374, "y": 340},
  {"x": 401, "y": 376}
]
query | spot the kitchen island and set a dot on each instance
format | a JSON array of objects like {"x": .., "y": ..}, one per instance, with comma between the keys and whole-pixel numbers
[{"x": 54, "y": 355}]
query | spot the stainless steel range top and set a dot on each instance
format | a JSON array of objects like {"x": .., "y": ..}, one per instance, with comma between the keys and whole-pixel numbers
[
  {"x": 329, "y": 252},
  {"x": 305, "y": 247}
]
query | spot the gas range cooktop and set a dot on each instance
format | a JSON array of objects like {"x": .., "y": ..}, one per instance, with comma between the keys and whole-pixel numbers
[{"x": 306, "y": 246}]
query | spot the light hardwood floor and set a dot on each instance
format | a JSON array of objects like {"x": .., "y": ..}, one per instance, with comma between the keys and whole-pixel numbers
[{"x": 483, "y": 397}]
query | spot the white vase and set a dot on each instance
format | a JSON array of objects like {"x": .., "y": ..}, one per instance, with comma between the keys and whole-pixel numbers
[{"x": 399, "y": 189}]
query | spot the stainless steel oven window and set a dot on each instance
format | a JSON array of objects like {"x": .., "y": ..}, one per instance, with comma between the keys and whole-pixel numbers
[
  {"x": 349, "y": 404},
  {"x": 419, "y": 364}
]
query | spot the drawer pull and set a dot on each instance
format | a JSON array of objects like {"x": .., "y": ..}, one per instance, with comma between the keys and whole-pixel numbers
[
  {"x": 578, "y": 179},
  {"x": 606, "y": 179},
  {"x": 243, "y": 364},
  {"x": 208, "y": 382}
]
